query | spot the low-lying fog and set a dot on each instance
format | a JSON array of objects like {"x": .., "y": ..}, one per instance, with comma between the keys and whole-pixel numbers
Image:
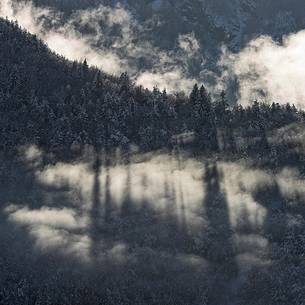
[{"x": 155, "y": 218}]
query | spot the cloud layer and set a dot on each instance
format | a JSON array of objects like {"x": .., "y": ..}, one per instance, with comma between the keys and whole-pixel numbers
[
  {"x": 268, "y": 70},
  {"x": 115, "y": 53}
]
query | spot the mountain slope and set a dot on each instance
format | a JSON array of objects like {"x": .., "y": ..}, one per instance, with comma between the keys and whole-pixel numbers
[
  {"x": 158, "y": 42},
  {"x": 236, "y": 21},
  {"x": 112, "y": 194}
]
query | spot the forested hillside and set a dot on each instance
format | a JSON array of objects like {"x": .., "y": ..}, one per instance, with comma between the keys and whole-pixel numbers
[
  {"x": 113, "y": 194},
  {"x": 49, "y": 101}
]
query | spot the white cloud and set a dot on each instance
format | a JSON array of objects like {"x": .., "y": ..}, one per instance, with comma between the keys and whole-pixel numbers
[
  {"x": 269, "y": 70},
  {"x": 55, "y": 218},
  {"x": 173, "y": 79},
  {"x": 189, "y": 43}
]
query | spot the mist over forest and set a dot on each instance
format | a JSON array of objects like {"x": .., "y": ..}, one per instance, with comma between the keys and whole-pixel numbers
[{"x": 152, "y": 153}]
